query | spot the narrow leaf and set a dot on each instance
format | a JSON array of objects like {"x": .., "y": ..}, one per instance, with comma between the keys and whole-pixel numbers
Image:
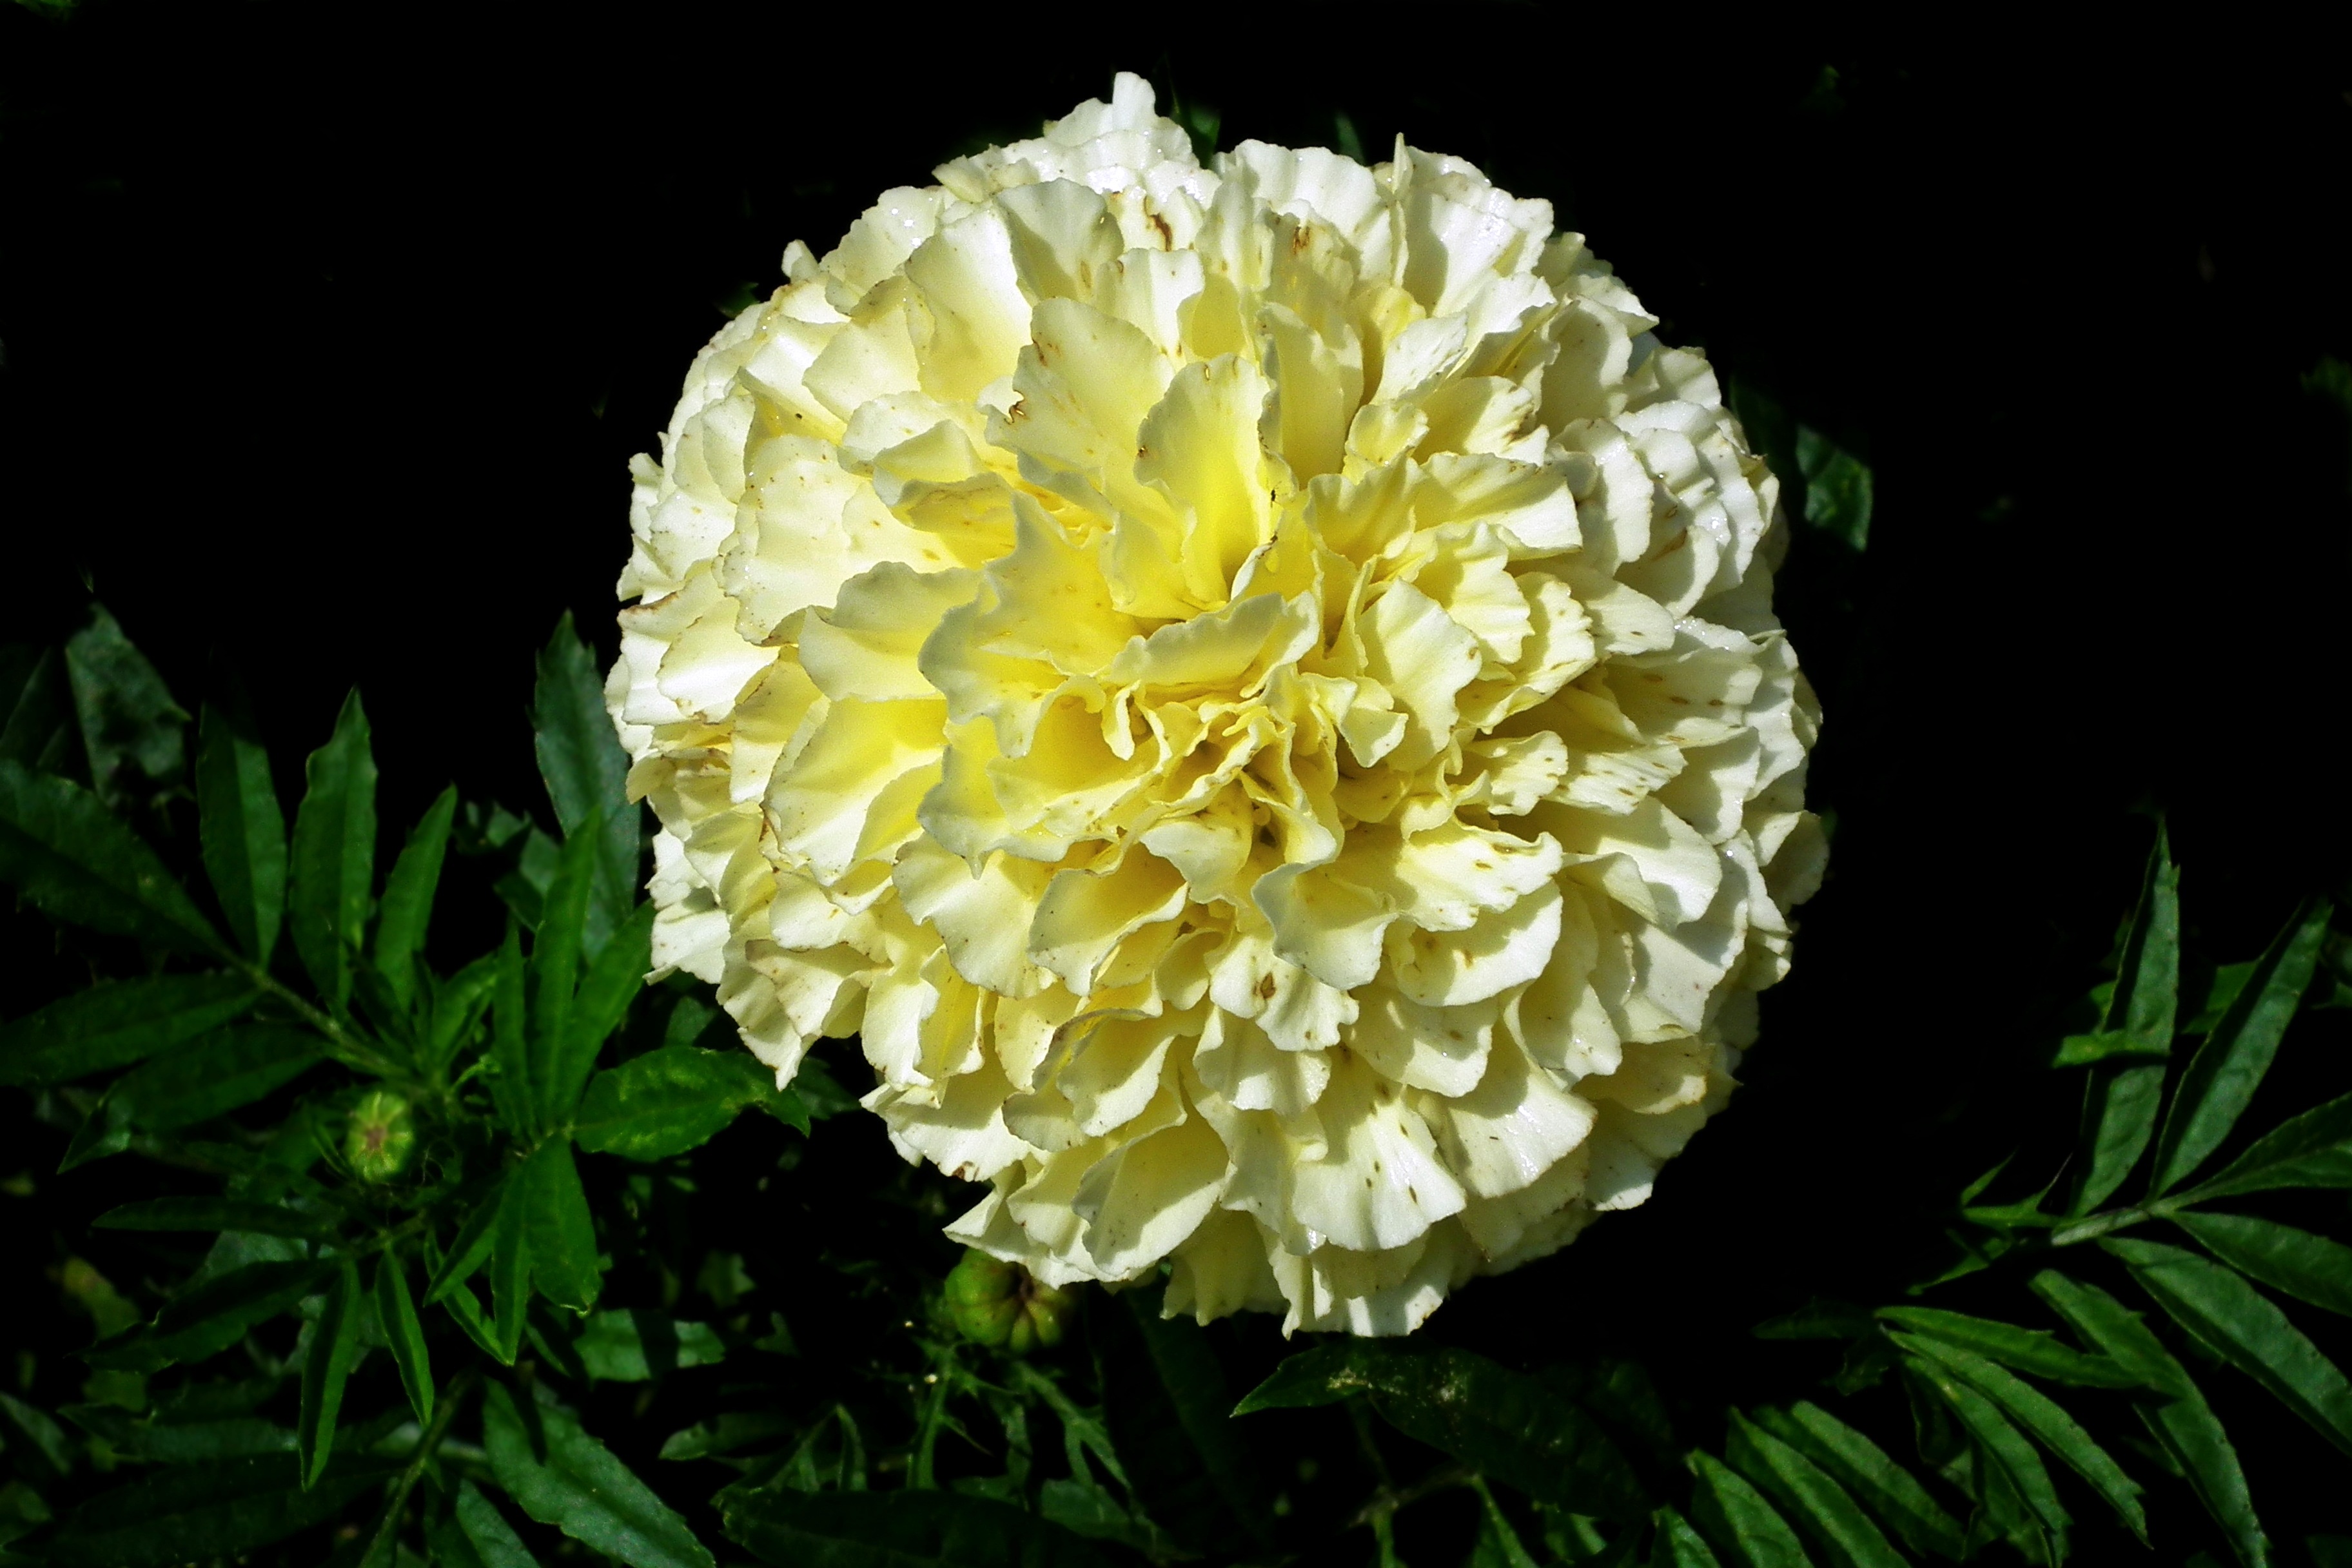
[
  {"x": 1677, "y": 1545},
  {"x": 2309, "y": 1267},
  {"x": 1885, "y": 1487},
  {"x": 582, "y": 1490},
  {"x": 562, "y": 1233},
  {"x": 39, "y": 728},
  {"x": 243, "y": 834},
  {"x": 395, "y": 1310},
  {"x": 117, "y": 1023},
  {"x": 1745, "y": 1528},
  {"x": 1496, "y": 1545},
  {"x": 510, "y": 1264},
  {"x": 2027, "y": 1350},
  {"x": 471, "y": 1249},
  {"x": 510, "y": 1081},
  {"x": 334, "y": 1348},
  {"x": 217, "y": 1214},
  {"x": 2120, "y": 1109},
  {"x": 214, "y": 1315},
  {"x": 1998, "y": 1440},
  {"x": 2180, "y": 1420},
  {"x": 555, "y": 955},
  {"x": 211, "y": 1077},
  {"x": 205, "y": 1512},
  {"x": 1808, "y": 1495},
  {"x": 2222, "y": 1310},
  {"x": 669, "y": 1100},
  {"x": 635, "y": 1344},
  {"x": 334, "y": 854},
  {"x": 790, "y": 1529},
  {"x": 458, "y": 1006},
  {"x": 2144, "y": 1003},
  {"x": 611, "y": 984},
  {"x": 2228, "y": 1068},
  {"x": 2313, "y": 1150},
  {"x": 74, "y": 860},
  {"x": 2048, "y": 1424},
  {"x": 493, "y": 1541},
  {"x": 1837, "y": 489},
  {"x": 408, "y": 898},
  {"x": 586, "y": 771},
  {"x": 1166, "y": 1399}
]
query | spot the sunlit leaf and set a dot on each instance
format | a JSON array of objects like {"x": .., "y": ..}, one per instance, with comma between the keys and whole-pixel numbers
[
  {"x": 910, "y": 1529},
  {"x": 582, "y": 1490},
  {"x": 2120, "y": 1110},
  {"x": 1885, "y": 1487},
  {"x": 1808, "y": 1496},
  {"x": 1745, "y": 1528},
  {"x": 334, "y": 854},
  {"x": 2027, "y": 1350},
  {"x": 408, "y": 899},
  {"x": 633, "y": 1344},
  {"x": 117, "y": 1023},
  {"x": 2223, "y": 1311},
  {"x": 243, "y": 834},
  {"x": 562, "y": 1234},
  {"x": 2309, "y": 1267},
  {"x": 395, "y": 1311},
  {"x": 198, "y": 1512},
  {"x": 1998, "y": 1440},
  {"x": 554, "y": 973},
  {"x": 611, "y": 984},
  {"x": 1678, "y": 1545},
  {"x": 2312, "y": 1150},
  {"x": 75, "y": 861},
  {"x": 675, "y": 1099},
  {"x": 2227, "y": 1068},
  {"x": 326, "y": 1369},
  {"x": 491, "y": 1539},
  {"x": 586, "y": 772}
]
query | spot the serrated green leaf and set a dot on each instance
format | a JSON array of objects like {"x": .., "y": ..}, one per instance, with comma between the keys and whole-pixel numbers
[
  {"x": 669, "y": 1100},
  {"x": 2120, "y": 1110},
  {"x": 130, "y": 725},
  {"x": 215, "y": 1214},
  {"x": 214, "y": 1315},
  {"x": 243, "y": 831},
  {"x": 633, "y": 1344},
  {"x": 199, "y": 1512},
  {"x": 1677, "y": 1545},
  {"x": 326, "y": 1369},
  {"x": 334, "y": 855},
  {"x": 1507, "y": 1426},
  {"x": 408, "y": 893},
  {"x": 586, "y": 772},
  {"x": 1865, "y": 1469},
  {"x": 1745, "y": 1528},
  {"x": 2027, "y": 1350},
  {"x": 510, "y": 1081},
  {"x": 395, "y": 1311},
  {"x": 582, "y": 1490},
  {"x": 611, "y": 984},
  {"x": 230, "y": 1067},
  {"x": 1838, "y": 488},
  {"x": 562, "y": 1232},
  {"x": 74, "y": 860},
  {"x": 2230, "y": 1066},
  {"x": 2309, "y": 1267},
  {"x": 555, "y": 957},
  {"x": 1808, "y": 1496},
  {"x": 1997, "y": 1438},
  {"x": 899, "y": 1530},
  {"x": 2220, "y": 1310},
  {"x": 117, "y": 1023},
  {"x": 2048, "y": 1423},
  {"x": 2312, "y": 1150},
  {"x": 491, "y": 1539},
  {"x": 2180, "y": 1420}
]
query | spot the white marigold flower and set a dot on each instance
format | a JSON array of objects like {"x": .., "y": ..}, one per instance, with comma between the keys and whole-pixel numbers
[{"x": 1253, "y": 690}]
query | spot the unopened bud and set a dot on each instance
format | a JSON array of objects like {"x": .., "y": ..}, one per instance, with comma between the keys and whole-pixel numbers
[
  {"x": 993, "y": 1302},
  {"x": 382, "y": 1133}
]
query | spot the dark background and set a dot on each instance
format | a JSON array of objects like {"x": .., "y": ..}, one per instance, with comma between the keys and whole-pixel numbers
[{"x": 329, "y": 331}]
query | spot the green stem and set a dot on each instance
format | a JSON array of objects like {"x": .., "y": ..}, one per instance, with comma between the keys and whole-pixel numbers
[
  {"x": 389, "y": 1526},
  {"x": 351, "y": 1051},
  {"x": 2099, "y": 1224}
]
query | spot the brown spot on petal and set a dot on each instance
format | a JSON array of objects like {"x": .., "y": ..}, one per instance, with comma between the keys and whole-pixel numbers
[{"x": 1266, "y": 987}]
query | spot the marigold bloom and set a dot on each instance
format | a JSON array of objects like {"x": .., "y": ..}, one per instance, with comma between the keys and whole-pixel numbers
[{"x": 1251, "y": 688}]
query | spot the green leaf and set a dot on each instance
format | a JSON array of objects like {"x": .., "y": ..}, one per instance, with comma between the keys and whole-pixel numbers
[
  {"x": 2220, "y": 1310},
  {"x": 611, "y": 984},
  {"x": 2119, "y": 1108},
  {"x": 1496, "y": 1545},
  {"x": 2027, "y": 1350},
  {"x": 1494, "y": 1420},
  {"x": 1747, "y": 1529},
  {"x": 2050, "y": 1424},
  {"x": 1864, "y": 1469},
  {"x": 492, "y": 1538},
  {"x": 74, "y": 860},
  {"x": 1998, "y": 1440},
  {"x": 2228, "y": 1068},
  {"x": 334, "y": 854},
  {"x": 34, "y": 1437},
  {"x": 200, "y": 1512},
  {"x": 326, "y": 1368},
  {"x": 510, "y": 1081},
  {"x": 1808, "y": 1495},
  {"x": 395, "y": 1311},
  {"x": 2309, "y": 1267},
  {"x": 458, "y": 1005},
  {"x": 555, "y": 954},
  {"x": 2228, "y": 980},
  {"x": 130, "y": 725},
  {"x": 511, "y": 1263},
  {"x": 243, "y": 834},
  {"x": 408, "y": 898},
  {"x": 182, "y": 1442},
  {"x": 117, "y": 1023},
  {"x": 899, "y": 1530},
  {"x": 1165, "y": 1392},
  {"x": 1677, "y": 1545},
  {"x": 633, "y": 1344},
  {"x": 671, "y": 1099},
  {"x": 1838, "y": 488},
  {"x": 2313, "y": 1150},
  {"x": 2144, "y": 1003},
  {"x": 562, "y": 1232},
  {"x": 39, "y": 731},
  {"x": 211, "y": 1077},
  {"x": 2181, "y": 1421},
  {"x": 582, "y": 1490},
  {"x": 470, "y": 1250},
  {"x": 725, "y": 1433},
  {"x": 215, "y": 1214},
  {"x": 586, "y": 772},
  {"x": 214, "y": 1315}
]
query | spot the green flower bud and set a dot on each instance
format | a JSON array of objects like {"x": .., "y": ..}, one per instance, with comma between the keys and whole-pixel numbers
[
  {"x": 382, "y": 1133},
  {"x": 993, "y": 1303}
]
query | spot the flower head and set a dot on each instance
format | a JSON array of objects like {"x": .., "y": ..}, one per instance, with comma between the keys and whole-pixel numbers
[{"x": 1252, "y": 689}]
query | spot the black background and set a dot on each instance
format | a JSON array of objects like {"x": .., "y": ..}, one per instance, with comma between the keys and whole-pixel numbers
[{"x": 329, "y": 333}]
